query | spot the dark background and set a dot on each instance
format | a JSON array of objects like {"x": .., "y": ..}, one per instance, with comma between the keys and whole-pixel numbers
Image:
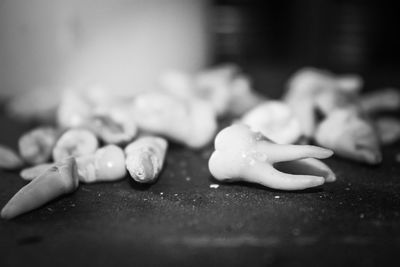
[{"x": 342, "y": 35}]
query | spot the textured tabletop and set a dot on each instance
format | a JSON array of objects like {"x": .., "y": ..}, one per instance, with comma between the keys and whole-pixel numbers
[{"x": 182, "y": 220}]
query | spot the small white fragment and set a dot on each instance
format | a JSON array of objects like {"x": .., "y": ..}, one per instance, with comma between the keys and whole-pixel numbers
[
  {"x": 277, "y": 197},
  {"x": 214, "y": 186}
]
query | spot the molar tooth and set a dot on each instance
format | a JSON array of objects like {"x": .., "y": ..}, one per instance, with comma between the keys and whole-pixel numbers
[{"x": 237, "y": 159}]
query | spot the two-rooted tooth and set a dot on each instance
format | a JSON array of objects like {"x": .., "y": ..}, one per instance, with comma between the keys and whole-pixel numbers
[
  {"x": 191, "y": 122},
  {"x": 243, "y": 155},
  {"x": 36, "y": 146},
  {"x": 60, "y": 179},
  {"x": 145, "y": 158}
]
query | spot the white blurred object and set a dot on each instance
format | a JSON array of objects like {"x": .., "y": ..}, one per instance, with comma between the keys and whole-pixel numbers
[
  {"x": 121, "y": 44},
  {"x": 275, "y": 120}
]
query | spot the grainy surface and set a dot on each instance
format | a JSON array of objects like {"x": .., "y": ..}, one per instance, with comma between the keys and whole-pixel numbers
[{"x": 182, "y": 221}]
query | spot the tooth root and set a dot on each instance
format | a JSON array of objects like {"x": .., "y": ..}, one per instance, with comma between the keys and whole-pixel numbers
[
  {"x": 58, "y": 180},
  {"x": 307, "y": 166},
  {"x": 266, "y": 175},
  {"x": 292, "y": 152}
]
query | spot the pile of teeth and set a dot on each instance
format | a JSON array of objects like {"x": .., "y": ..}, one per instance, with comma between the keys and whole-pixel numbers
[{"x": 101, "y": 137}]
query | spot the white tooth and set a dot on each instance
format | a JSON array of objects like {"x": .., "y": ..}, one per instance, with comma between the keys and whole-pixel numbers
[
  {"x": 37, "y": 145},
  {"x": 56, "y": 181},
  {"x": 241, "y": 155},
  {"x": 191, "y": 122},
  {"x": 106, "y": 164},
  {"x": 9, "y": 159},
  {"x": 349, "y": 136},
  {"x": 275, "y": 120},
  {"x": 75, "y": 142}
]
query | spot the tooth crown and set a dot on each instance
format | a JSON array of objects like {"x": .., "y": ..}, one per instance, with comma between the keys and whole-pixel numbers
[
  {"x": 75, "y": 142},
  {"x": 36, "y": 146},
  {"x": 237, "y": 146}
]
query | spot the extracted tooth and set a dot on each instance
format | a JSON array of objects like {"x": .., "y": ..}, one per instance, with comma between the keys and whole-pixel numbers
[
  {"x": 145, "y": 158},
  {"x": 243, "y": 155},
  {"x": 113, "y": 127},
  {"x": 9, "y": 159},
  {"x": 191, "y": 122},
  {"x": 106, "y": 164},
  {"x": 33, "y": 172},
  {"x": 350, "y": 136},
  {"x": 275, "y": 120},
  {"x": 381, "y": 100},
  {"x": 75, "y": 142},
  {"x": 310, "y": 89},
  {"x": 388, "y": 130},
  {"x": 60, "y": 179},
  {"x": 36, "y": 146}
]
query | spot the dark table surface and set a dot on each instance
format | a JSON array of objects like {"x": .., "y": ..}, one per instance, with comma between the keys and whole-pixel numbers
[{"x": 182, "y": 221}]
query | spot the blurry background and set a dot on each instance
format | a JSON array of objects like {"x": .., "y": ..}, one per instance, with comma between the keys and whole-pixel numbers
[
  {"x": 127, "y": 43},
  {"x": 278, "y": 37}
]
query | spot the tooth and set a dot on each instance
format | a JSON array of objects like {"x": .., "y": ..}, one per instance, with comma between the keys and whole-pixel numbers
[
  {"x": 60, "y": 179},
  {"x": 242, "y": 155},
  {"x": 145, "y": 158},
  {"x": 191, "y": 122},
  {"x": 9, "y": 159},
  {"x": 349, "y": 136},
  {"x": 275, "y": 120},
  {"x": 106, "y": 164},
  {"x": 36, "y": 145},
  {"x": 114, "y": 126},
  {"x": 75, "y": 142}
]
